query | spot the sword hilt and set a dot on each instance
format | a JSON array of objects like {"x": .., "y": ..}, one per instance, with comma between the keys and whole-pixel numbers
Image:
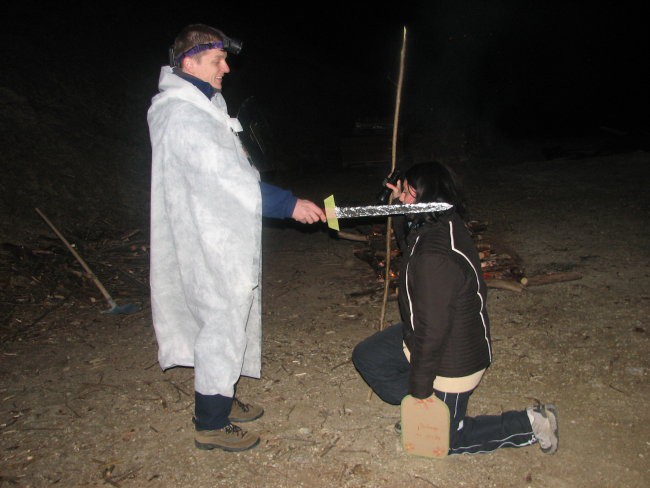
[{"x": 330, "y": 213}]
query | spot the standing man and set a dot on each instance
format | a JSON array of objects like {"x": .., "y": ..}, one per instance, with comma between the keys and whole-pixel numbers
[{"x": 207, "y": 204}]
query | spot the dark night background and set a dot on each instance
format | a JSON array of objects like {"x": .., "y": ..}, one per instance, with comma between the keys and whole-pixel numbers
[{"x": 483, "y": 80}]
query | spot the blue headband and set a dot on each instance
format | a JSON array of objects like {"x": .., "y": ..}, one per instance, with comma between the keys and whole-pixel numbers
[{"x": 197, "y": 49}]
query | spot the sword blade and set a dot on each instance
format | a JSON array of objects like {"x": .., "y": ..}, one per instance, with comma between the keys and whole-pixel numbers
[{"x": 379, "y": 210}]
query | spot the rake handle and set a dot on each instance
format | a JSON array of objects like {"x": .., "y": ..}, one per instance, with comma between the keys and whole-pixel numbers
[{"x": 81, "y": 261}]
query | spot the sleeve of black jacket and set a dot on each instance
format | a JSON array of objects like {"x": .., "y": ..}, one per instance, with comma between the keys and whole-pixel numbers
[{"x": 433, "y": 280}]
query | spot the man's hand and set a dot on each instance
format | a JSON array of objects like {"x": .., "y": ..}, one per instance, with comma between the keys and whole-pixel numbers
[{"x": 307, "y": 212}]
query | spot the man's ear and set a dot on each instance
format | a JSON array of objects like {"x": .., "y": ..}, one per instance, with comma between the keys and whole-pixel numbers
[{"x": 187, "y": 64}]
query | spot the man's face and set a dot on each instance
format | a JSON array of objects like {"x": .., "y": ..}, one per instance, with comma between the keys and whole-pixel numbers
[{"x": 210, "y": 67}]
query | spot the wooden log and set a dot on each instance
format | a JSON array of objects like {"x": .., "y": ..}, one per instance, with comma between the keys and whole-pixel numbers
[
  {"x": 511, "y": 274},
  {"x": 497, "y": 265},
  {"x": 549, "y": 278},
  {"x": 352, "y": 236},
  {"x": 505, "y": 285}
]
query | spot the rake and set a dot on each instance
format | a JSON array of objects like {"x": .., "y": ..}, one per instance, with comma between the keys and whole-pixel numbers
[{"x": 115, "y": 308}]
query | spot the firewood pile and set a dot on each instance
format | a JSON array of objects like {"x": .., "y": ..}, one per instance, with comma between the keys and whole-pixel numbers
[{"x": 501, "y": 267}]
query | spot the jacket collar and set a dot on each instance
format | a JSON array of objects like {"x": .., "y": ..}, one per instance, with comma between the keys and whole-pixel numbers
[
  {"x": 423, "y": 226},
  {"x": 174, "y": 87},
  {"x": 203, "y": 86}
]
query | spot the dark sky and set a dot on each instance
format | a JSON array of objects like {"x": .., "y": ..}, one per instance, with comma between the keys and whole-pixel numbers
[{"x": 525, "y": 67}]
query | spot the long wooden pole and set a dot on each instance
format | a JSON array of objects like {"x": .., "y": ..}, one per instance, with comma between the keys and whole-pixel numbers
[{"x": 389, "y": 220}]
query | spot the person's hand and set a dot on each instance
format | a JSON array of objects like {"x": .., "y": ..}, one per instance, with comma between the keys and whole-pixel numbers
[
  {"x": 397, "y": 189},
  {"x": 307, "y": 212}
]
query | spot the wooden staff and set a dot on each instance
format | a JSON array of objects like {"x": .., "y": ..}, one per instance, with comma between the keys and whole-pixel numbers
[{"x": 389, "y": 220}]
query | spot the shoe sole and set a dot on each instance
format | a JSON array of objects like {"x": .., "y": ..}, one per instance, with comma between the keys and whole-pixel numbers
[
  {"x": 208, "y": 447},
  {"x": 553, "y": 410}
]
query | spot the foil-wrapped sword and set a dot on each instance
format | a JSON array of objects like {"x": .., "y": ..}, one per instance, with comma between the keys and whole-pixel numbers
[{"x": 334, "y": 213}]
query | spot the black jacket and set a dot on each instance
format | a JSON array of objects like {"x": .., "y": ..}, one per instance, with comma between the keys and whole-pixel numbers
[{"x": 442, "y": 300}]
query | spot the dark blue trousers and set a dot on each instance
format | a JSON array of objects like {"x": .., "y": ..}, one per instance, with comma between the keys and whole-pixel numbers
[
  {"x": 381, "y": 362},
  {"x": 211, "y": 411}
]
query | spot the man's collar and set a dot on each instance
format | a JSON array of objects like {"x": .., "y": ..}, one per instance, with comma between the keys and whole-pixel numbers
[{"x": 206, "y": 88}]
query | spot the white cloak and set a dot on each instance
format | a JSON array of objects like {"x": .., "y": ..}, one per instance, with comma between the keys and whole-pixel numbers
[{"x": 206, "y": 222}]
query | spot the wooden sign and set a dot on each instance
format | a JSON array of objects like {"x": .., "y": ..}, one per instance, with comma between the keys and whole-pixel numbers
[{"x": 425, "y": 427}]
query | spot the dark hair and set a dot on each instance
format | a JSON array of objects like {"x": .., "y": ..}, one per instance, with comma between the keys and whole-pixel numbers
[
  {"x": 435, "y": 182},
  {"x": 194, "y": 34}
]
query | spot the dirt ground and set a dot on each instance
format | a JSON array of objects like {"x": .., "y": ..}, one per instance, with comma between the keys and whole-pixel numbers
[{"x": 84, "y": 403}]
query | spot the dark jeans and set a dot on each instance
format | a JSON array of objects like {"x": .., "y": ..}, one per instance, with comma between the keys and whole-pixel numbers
[{"x": 381, "y": 362}]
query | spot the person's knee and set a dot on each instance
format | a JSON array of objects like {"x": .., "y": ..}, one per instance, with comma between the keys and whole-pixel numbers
[{"x": 360, "y": 355}]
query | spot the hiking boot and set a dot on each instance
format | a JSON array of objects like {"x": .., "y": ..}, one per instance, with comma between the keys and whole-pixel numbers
[
  {"x": 230, "y": 438},
  {"x": 544, "y": 425},
  {"x": 244, "y": 412}
]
